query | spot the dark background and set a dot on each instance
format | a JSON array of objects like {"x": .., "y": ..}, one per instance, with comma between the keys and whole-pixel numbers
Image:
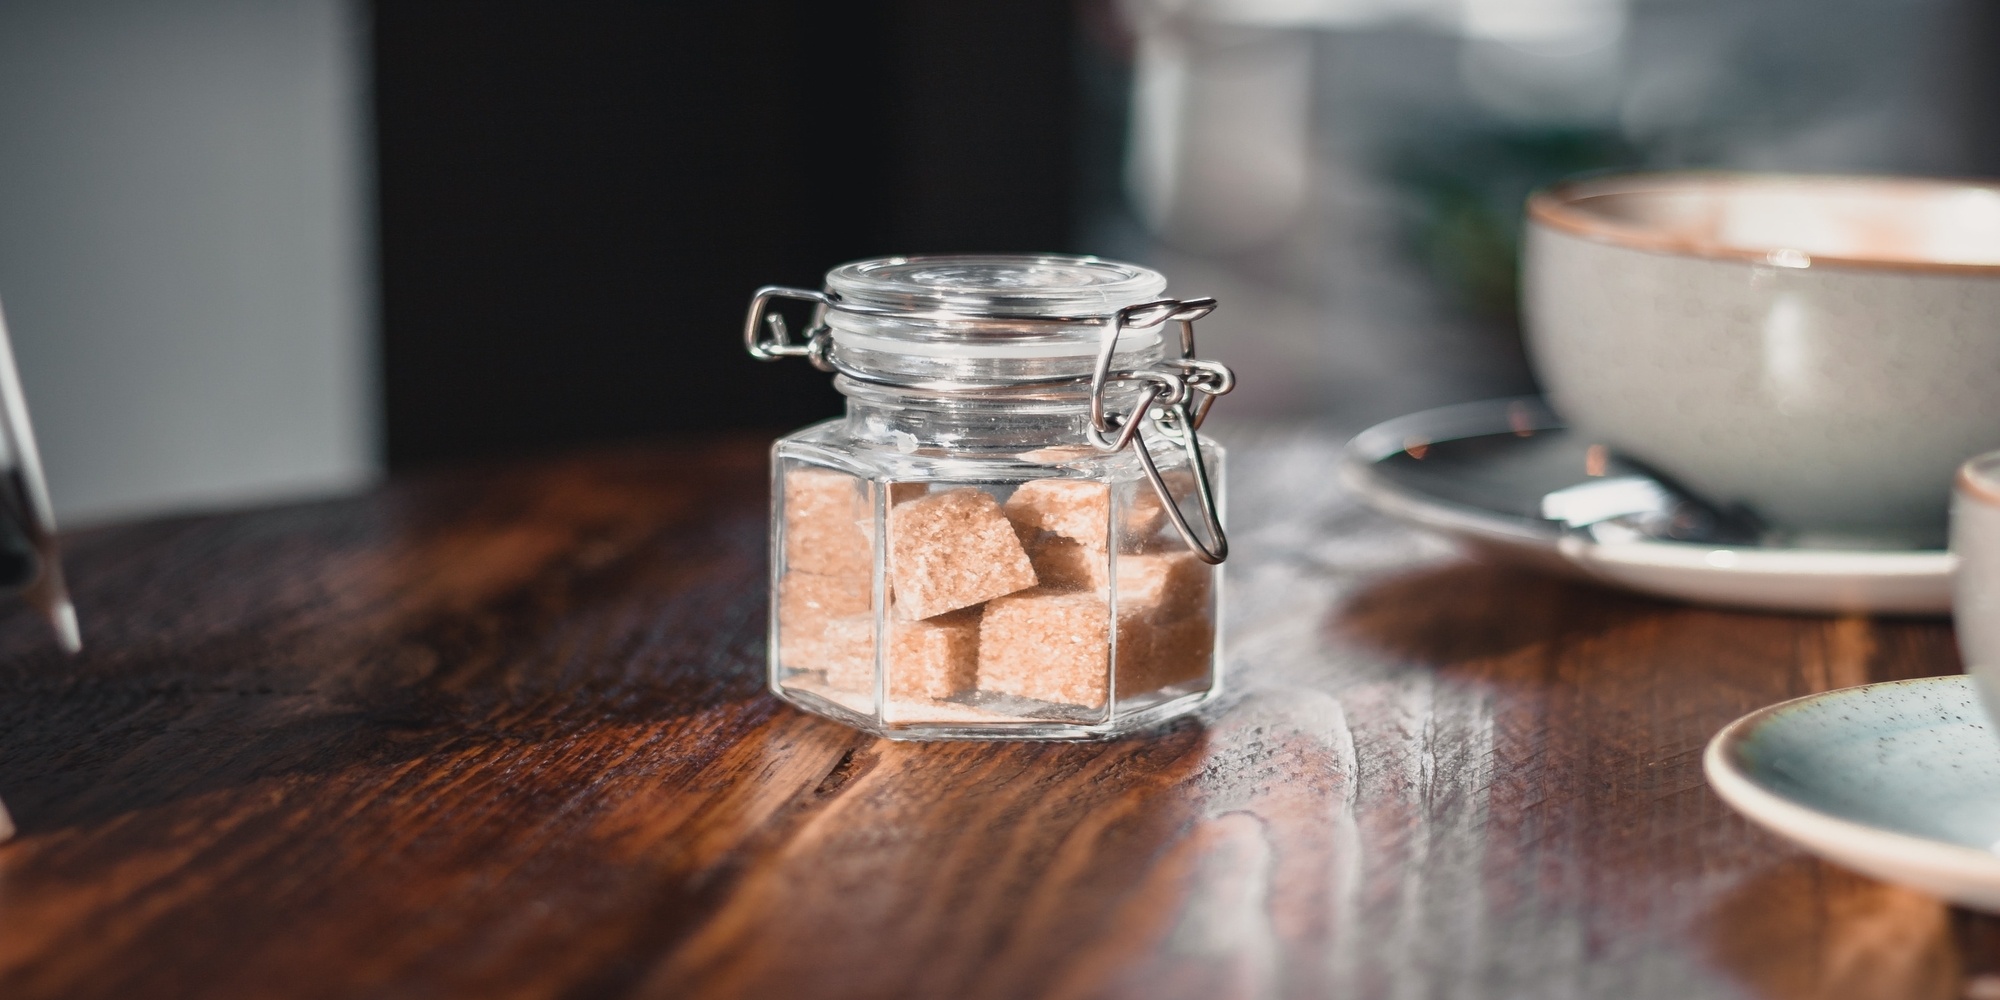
[{"x": 576, "y": 200}]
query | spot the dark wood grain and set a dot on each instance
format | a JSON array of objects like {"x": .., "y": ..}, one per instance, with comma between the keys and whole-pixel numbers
[{"x": 501, "y": 732}]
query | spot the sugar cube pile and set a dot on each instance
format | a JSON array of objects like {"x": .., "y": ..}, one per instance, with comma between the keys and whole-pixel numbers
[{"x": 1012, "y": 599}]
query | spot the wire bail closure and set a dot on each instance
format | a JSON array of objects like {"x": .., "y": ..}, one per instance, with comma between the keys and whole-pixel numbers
[
  {"x": 818, "y": 341},
  {"x": 1170, "y": 387},
  {"x": 1165, "y": 401}
]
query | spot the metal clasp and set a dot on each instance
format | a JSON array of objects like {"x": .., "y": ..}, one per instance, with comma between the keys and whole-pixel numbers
[
  {"x": 1165, "y": 399},
  {"x": 780, "y": 344}
]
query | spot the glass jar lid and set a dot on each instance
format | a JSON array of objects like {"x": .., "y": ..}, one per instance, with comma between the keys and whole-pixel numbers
[
  {"x": 1039, "y": 286},
  {"x": 998, "y": 306}
]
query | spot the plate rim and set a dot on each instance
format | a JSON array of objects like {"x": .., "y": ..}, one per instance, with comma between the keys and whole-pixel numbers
[
  {"x": 1836, "y": 837},
  {"x": 1369, "y": 448}
]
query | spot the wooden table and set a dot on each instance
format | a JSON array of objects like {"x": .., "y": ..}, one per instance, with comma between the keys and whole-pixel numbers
[{"x": 501, "y": 732}]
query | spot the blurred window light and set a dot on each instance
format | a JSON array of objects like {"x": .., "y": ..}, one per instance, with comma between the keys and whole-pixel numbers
[
  {"x": 1220, "y": 153},
  {"x": 1543, "y": 60},
  {"x": 1423, "y": 124},
  {"x": 1547, "y": 27},
  {"x": 1563, "y": 23},
  {"x": 1325, "y": 14},
  {"x": 1220, "y": 150}
]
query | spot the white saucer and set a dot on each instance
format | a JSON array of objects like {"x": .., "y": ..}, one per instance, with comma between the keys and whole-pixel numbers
[
  {"x": 1899, "y": 780},
  {"x": 1478, "y": 472}
]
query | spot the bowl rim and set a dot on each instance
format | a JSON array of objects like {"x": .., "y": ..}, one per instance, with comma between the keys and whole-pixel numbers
[
  {"x": 1555, "y": 207},
  {"x": 1974, "y": 484}
]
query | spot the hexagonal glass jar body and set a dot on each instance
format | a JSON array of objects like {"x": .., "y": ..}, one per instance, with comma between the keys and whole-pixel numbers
[{"x": 951, "y": 564}]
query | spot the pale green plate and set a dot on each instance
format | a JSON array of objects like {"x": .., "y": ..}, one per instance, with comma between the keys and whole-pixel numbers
[{"x": 1899, "y": 780}]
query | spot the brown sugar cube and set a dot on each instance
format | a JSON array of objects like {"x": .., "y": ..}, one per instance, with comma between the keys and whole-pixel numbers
[
  {"x": 1076, "y": 509},
  {"x": 1184, "y": 650},
  {"x": 1060, "y": 454},
  {"x": 931, "y": 659},
  {"x": 935, "y": 658},
  {"x": 1062, "y": 524},
  {"x": 1157, "y": 654},
  {"x": 847, "y": 653},
  {"x": 825, "y": 514},
  {"x": 804, "y": 595},
  {"x": 1080, "y": 510},
  {"x": 1065, "y": 564},
  {"x": 1161, "y": 583},
  {"x": 1165, "y": 634},
  {"x": 1046, "y": 645},
  {"x": 844, "y": 648},
  {"x": 952, "y": 550},
  {"x": 1051, "y": 647},
  {"x": 1136, "y": 635},
  {"x": 1143, "y": 522},
  {"x": 1164, "y": 585},
  {"x": 809, "y": 605},
  {"x": 899, "y": 493}
]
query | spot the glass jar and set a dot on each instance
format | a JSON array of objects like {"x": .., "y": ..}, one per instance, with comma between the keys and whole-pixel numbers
[{"x": 1013, "y": 532}]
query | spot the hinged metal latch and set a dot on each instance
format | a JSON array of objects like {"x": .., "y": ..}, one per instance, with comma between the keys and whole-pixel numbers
[
  {"x": 780, "y": 344},
  {"x": 1164, "y": 399}
]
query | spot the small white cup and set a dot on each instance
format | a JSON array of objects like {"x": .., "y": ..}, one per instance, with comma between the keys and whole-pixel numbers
[{"x": 1975, "y": 604}]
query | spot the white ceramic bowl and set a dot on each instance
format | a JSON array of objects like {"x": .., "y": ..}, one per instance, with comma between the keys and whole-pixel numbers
[{"x": 1823, "y": 350}]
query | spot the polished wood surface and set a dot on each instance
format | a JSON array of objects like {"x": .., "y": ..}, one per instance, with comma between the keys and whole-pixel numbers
[{"x": 501, "y": 732}]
